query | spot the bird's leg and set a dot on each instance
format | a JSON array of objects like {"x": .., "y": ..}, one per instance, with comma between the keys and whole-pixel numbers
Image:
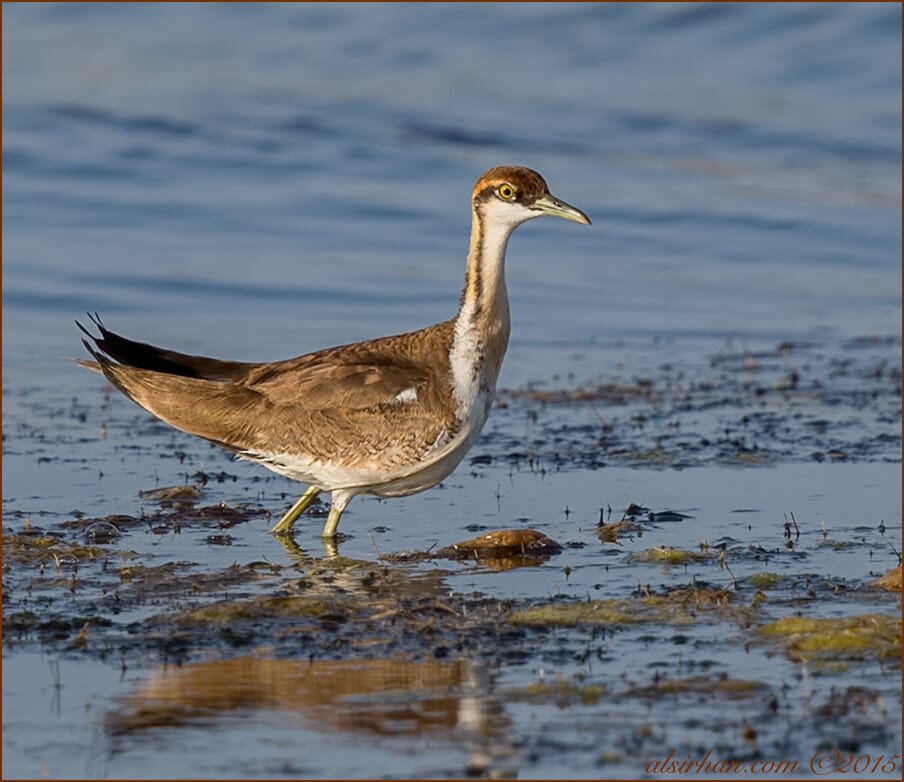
[
  {"x": 285, "y": 524},
  {"x": 340, "y": 501}
]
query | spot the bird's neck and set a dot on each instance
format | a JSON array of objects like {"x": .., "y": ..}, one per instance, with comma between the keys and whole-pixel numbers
[{"x": 482, "y": 324}]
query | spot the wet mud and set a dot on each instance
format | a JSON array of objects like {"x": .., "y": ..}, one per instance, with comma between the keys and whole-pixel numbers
[
  {"x": 751, "y": 642},
  {"x": 796, "y": 401}
]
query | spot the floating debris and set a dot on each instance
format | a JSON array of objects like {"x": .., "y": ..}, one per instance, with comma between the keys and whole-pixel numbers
[
  {"x": 609, "y": 533},
  {"x": 102, "y": 532},
  {"x": 171, "y": 495},
  {"x": 502, "y": 544}
]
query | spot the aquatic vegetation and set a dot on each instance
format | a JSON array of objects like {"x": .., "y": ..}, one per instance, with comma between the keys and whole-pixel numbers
[
  {"x": 37, "y": 549},
  {"x": 661, "y": 555},
  {"x": 764, "y": 580},
  {"x": 889, "y": 582},
  {"x": 561, "y": 691},
  {"x": 678, "y": 607},
  {"x": 861, "y": 637},
  {"x": 228, "y": 614},
  {"x": 170, "y": 495}
]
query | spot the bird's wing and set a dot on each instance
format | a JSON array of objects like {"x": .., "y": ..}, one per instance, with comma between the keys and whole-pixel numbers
[
  {"x": 345, "y": 379},
  {"x": 226, "y": 401},
  {"x": 359, "y": 376}
]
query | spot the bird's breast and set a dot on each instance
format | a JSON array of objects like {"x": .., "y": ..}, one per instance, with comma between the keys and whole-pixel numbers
[{"x": 475, "y": 357}]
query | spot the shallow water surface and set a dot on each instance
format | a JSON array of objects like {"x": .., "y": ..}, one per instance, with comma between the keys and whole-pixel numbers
[{"x": 701, "y": 402}]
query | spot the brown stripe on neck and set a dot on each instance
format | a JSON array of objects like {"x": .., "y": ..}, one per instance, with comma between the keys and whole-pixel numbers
[{"x": 473, "y": 290}]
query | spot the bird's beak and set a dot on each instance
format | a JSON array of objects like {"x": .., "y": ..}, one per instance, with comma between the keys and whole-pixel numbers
[{"x": 549, "y": 204}]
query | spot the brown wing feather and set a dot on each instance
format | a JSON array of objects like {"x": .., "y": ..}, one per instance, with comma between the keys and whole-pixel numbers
[
  {"x": 336, "y": 397},
  {"x": 339, "y": 378}
]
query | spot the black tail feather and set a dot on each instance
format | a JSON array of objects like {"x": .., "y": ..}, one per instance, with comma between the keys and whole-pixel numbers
[{"x": 111, "y": 347}]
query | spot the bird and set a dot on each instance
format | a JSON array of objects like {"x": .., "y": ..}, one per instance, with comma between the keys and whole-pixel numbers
[{"x": 388, "y": 417}]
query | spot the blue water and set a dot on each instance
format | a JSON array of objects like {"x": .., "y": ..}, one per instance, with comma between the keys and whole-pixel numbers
[{"x": 257, "y": 181}]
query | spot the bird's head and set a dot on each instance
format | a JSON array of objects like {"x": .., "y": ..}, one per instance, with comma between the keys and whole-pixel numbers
[{"x": 511, "y": 195}]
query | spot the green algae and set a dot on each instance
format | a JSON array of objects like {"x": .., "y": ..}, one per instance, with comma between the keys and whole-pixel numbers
[
  {"x": 29, "y": 549},
  {"x": 678, "y": 607},
  {"x": 764, "y": 580},
  {"x": 660, "y": 555},
  {"x": 700, "y": 686},
  {"x": 227, "y": 612},
  {"x": 560, "y": 691},
  {"x": 861, "y": 637}
]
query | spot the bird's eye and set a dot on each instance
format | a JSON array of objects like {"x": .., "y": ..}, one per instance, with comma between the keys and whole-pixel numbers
[{"x": 506, "y": 192}]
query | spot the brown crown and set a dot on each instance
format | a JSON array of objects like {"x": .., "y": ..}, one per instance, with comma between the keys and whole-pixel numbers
[{"x": 528, "y": 184}]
